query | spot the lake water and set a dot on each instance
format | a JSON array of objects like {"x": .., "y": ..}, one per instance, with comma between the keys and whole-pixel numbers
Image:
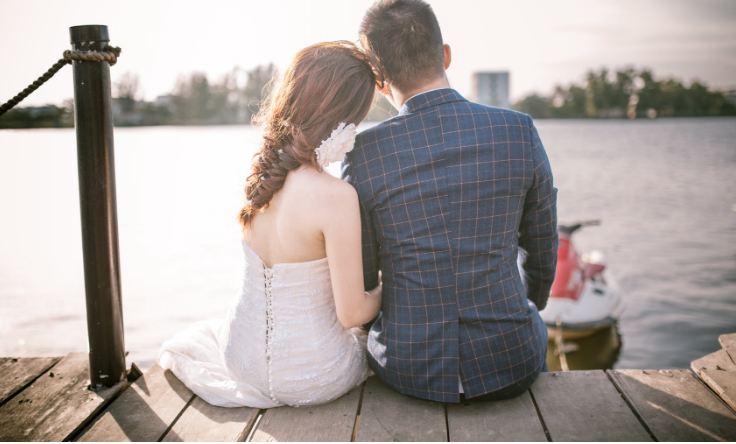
[{"x": 665, "y": 191}]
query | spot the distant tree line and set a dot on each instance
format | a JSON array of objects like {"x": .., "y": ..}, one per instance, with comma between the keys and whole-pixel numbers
[
  {"x": 237, "y": 96},
  {"x": 234, "y": 98},
  {"x": 47, "y": 116},
  {"x": 195, "y": 99},
  {"x": 628, "y": 93}
]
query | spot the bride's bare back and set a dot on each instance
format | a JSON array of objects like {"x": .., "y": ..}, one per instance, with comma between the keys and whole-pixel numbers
[
  {"x": 313, "y": 216},
  {"x": 291, "y": 228}
]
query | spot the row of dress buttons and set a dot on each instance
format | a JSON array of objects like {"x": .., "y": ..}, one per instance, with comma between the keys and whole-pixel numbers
[{"x": 268, "y": 278}]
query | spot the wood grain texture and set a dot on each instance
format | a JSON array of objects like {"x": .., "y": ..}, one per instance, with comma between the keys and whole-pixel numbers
[
  {"x": 144, "y": 411},
  {"x": 205, "y": 422},
  {"x": 728, "y": 343},
  {"x": 386, "y": 415},
  {"x": 718, "y": 371},
  {"x": 676, "y": 406},
  {"x": 16, "y": 373},
  {"x": 723, "y": 382},
  {"x": 55, "y": 405},
  {"x": 328, "y": 422},
  {"x": 585, "y": 406},
  {"x": 718, "y": 360},
  {"x": 513, "y": 419}
]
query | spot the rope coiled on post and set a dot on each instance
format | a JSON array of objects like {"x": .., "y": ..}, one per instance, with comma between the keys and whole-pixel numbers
[{"x": 110, "y": 55}]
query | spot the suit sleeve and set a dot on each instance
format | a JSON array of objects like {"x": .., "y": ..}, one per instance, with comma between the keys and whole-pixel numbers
[
  {"x": 538, "y": 229},
  {"x": 369, "y": 242}
]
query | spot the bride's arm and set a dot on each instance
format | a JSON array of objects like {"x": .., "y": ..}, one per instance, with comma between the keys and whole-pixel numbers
[{"x": 341, "y": 229}]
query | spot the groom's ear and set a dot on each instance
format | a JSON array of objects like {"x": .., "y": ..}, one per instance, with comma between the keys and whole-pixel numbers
[
  {"x": 384, "y": 89},
  {"x": 447, "y": 54}
]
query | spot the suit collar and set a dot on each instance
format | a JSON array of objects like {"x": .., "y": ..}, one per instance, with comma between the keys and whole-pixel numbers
[{"x": 430, "y": 98}]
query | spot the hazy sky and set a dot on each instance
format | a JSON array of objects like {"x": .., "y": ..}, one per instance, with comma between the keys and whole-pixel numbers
[{"x": 541, "y": 42}]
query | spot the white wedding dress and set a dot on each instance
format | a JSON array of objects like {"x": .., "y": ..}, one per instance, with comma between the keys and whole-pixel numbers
[{"x": 280, "y": 343}]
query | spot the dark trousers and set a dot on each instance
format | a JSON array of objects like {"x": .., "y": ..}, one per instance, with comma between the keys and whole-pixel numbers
[{"x": 511, "y": 391}]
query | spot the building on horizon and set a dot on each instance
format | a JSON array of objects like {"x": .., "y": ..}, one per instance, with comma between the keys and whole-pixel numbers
[{"x": 492, "y": 88}]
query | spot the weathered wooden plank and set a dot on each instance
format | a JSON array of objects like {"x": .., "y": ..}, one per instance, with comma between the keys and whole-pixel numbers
[
  {"x": 728, "y": 343},
  {"x": 328, "y": 422},
  {"x": 722, "y": 382},
  {"x": 16, "y": 373},
  {"x": 585, "y": 406},
  {"x": 718, "y": 360},
  {"x": 386, "y": 415},
  {"x": 143, "y": 412},
  {"x": 719, "y": 372},
  {"x": 205, "y": 422},
  {"x": 513, "y": 419},
  {"x": 55, "y": 405},
  {"x": 676, "y": 406}
]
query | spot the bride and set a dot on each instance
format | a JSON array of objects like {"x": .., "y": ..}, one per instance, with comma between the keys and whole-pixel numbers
[{"x": 289, "y": 338}]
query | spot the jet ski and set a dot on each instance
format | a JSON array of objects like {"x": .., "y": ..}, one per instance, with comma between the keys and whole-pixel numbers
[{"x": 583, "y": 300}]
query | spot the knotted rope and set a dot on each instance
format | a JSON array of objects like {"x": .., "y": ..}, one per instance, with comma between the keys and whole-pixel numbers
[{"x": 110, "y": 55}]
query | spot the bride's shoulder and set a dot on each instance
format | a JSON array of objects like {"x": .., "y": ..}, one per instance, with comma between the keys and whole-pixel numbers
[
  {"x": 324, "y": 200},
  {"x": 336, "y": 196},
  {"x": 325, "y": 189}
]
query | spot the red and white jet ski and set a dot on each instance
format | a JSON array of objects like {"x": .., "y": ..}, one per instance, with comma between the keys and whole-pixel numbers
[{"x": 582, "y": 300}]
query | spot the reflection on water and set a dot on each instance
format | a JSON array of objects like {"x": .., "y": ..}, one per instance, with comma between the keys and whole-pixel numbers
[{"x": 600, "y": 350}]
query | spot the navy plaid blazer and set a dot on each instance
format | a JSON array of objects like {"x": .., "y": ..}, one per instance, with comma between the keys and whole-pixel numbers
[{"x": 449, "y": 190}]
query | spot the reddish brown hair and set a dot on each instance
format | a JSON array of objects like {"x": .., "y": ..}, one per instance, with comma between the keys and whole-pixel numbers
[{"x": 325, "y": 84}]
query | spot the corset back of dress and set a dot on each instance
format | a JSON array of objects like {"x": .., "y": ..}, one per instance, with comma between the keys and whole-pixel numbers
[{"x": 283, "y": 328}]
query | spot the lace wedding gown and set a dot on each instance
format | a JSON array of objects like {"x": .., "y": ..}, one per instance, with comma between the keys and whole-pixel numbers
[{"x": 280, "y": 343}]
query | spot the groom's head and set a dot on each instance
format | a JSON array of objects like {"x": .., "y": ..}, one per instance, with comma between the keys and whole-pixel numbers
[{"x": 404, "y": 40}]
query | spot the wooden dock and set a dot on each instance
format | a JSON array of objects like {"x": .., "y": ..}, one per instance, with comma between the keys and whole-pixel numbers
[{"x": 46, "y": 399}]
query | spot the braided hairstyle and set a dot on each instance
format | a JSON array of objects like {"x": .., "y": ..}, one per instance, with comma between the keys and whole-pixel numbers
[{"x": 326, "y": 83}]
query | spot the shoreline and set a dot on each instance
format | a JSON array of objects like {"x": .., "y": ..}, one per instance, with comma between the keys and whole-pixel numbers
[{"x": 371, "y": 123}]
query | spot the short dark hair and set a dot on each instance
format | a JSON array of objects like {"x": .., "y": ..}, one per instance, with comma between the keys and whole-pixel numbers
[{"x": 404, "y": 40}]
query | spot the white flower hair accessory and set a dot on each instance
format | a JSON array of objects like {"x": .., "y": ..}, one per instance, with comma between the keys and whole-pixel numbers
[{"x": 334, "y": 148}]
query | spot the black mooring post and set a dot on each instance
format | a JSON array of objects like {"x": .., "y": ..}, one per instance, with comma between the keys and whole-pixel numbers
[{"x": 96, "y": 162}]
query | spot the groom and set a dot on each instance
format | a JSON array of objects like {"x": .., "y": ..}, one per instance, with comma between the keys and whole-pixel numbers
[{"x": 449, "y": 191}]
